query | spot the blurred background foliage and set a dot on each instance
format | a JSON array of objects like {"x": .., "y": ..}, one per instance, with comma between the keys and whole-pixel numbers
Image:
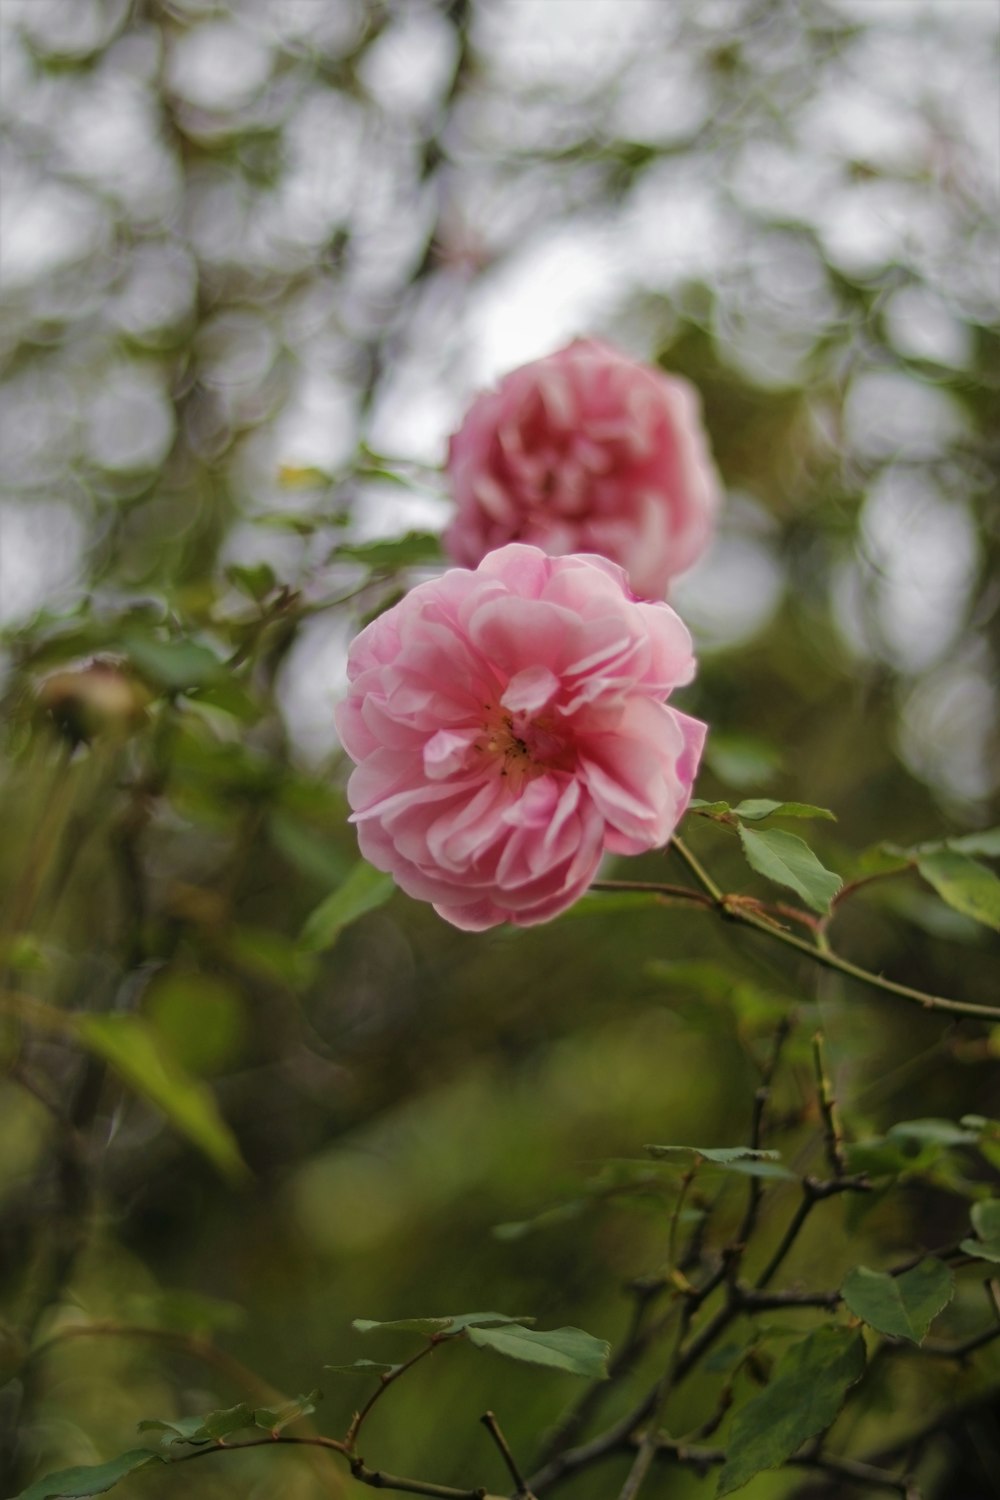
[{"x": 256, "y": 259}]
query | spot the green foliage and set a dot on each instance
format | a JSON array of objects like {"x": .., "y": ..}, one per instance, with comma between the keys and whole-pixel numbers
[
  {"x": 363, "y": 890},
  {"x": 744, "y": 1160},
  {"x": 964, "y": 883},
  {"x": 396, "y": 552},
  {"x": 804, "y": 1398},
  {"x": 986, "y": 1222},
  {"x": 567, "y": 1349},
  {"x": 89, "y": 1479},
  {"x": 139, "y": 1055},
  {"x": 209, "y": 1428},
  {"x": 789, "y": 861},
  {"x": 902, "y": 1306},
  {"x": 754, "y": 809}
]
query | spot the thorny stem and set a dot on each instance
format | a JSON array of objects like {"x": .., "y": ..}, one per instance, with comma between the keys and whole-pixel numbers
[
  {"x": 734, "y": 910},
  {"x": 699, "y": 872}
]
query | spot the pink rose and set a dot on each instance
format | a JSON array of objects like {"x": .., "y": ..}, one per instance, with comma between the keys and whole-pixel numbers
[
  {"x": 586, "y": 451},
  {"x": 509, "y": 726}
]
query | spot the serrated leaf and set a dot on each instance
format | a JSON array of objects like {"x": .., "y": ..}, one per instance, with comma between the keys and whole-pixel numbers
[
  {"x": 965, "y": 884},
  {"x": 208, "y": 1428},
  {"x": 569, "y": 1349},
  {"x": 754, "y": 808},
  {"x": 274, "y": 1419},
  {"x": 986, "y": 1222},
  {"x": 802, "y": 1400},
  {"x": 901, "y": 1306},
  {"x": 723, "y": 1155},
  {"x": 710, "y": 809},
  {"x": 396, "y": 552},
  {"x": 483, "y": 1320},
  {"x": 363, "y": 890},
  {"x": 138, "y": 1054},
  {"x": 788, "y": 860},
  {"x": 89, "y": 1479},
  {"x": 424, "y": 1326},
  {"x": 362, "y": 1367},
  {"x": 456, "y": 1324}
]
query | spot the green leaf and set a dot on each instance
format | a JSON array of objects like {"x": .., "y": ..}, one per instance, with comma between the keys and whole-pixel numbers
[
  {"x": 425, "y": 1326},
  {"x": 755, "y": 808},
  {"x": 986, "y": 1222},
  {"x": 364, "y": 889},
  {"x": 803, "y": 1399},
  {"x": 173, "y": 664},
  {"x": 788, "y": 860},
  {"x": 397, "y": 552},
  {"x": 965, "y": 884},
  {"x": 986, "y": 1218},
  {"x": 709, "y": 809},
  {"x": 208, "y": 1428},
  {"x": 140, "y": 1057},
  {"x": 274, "y": 1419},
  {"x": 934, "y": 1132},
  {"x": 986, "y": 842},
  {"x": 430, "y": 1326},
  {"x": 255, "y": 581},
  {"x": 483, "y": 1320},
  {"x": 362, "y": 1367},
  {"x": 723, "y": 1155},
  {"x": 89, "y": 1479},
  {"x": 901, "y": 1306},
  {"x": 569, "y": 1349}
]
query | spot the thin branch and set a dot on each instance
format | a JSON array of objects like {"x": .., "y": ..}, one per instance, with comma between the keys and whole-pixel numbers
[
  {"x": 813, "y": 1192},
  {"x": 637, "y": 1340},
  {"x": 760, "y": 1102},
  {"x": 699, "y": 872},
  {"x": 492, "y": 1426},
  {"x": 388, "y": 1378},
  {"x": 832, "y": 1134},
  {"x": 682, "y": 893},
  {"x": 376, "y": 1478},
  {"x": 734, "y": 909}
]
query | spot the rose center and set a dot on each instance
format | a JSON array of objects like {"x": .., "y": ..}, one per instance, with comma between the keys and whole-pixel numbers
[{"x": 521, "y": 747}]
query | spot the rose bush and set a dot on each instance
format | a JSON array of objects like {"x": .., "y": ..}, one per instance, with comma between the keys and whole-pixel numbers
[
  {"x": 509, "y": 726},
  {"x": 586, "y": 451}
]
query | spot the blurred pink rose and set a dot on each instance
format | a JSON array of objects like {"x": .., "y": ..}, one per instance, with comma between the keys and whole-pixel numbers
[
  {"x": 586, "y": 451},
  {"x": 509, "y": 726}
]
